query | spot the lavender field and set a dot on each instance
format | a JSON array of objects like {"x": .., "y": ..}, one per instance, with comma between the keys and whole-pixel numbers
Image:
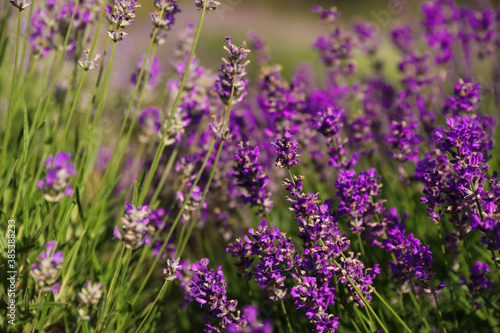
[{"x": 196, "y": 166}]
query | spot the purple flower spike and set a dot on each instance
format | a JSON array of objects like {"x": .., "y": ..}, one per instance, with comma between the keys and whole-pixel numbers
[
  {"x": 358, "y": 199},
  {"x": 232, "y": 73},
  {"x": 251, "y": 178},
  {"x": 208, "y": 288},
  {"x": 46, "y": 268},
  {"x": 135, "y": 227},
  {"x": 329, "y": 122},
  {"x": 286, "y": 149},
  {"x": 479, "y": 283},
  {"x": 466, "y": 98},
  {"x": 55, "y": 185}
]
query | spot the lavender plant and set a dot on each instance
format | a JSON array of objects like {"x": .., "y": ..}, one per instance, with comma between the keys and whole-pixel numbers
[{"x": 147, "y": 188}]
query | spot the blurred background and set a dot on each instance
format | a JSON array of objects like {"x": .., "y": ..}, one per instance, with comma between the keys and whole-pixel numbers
[{"x": 289, "y": 28}]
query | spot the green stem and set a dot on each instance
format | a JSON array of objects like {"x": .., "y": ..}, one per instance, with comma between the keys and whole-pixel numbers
[
  {"x": 12, "y": 94},
  {"x": 137, "y": 109},
  {"x": 145, "y": 280},
  {"x": 212, "y": 173},
  {"x": 441, "y": 321},
  {"x": 99, "y": 107},
  {"x": 73, "y": 107},
  {"x": 286, "y": 316},
  {"x": 28, "y": 29},
  {"x": 124, "y": 123},
  {"x": 61, "y": 58},
  {"x": 152, "y": 307},
  {"x": 401, "y": 321},
  {"x": 164, "y": 176},
  {"x": 361, "y": 245},
  {"x": 111, "y": 289},
  {"x": 161, "y": 147}
]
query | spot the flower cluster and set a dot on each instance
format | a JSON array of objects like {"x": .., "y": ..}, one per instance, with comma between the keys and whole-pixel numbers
[
  {"x": 89, "y": 295},
  {"x": 252, "y": 324},
  {"x": 329, "y": 122},
  {"x": 208, "y": 6},
  {"x": 149, "y": 121},
  {"x": 286, "y": 149},
  {"x": 46, "y": 269},
  {"x": 358, "y": 201},
  {"x": 173, "y": 267},
  {"x": 87, "y": 64},
  {"x": 152, "y": 71},
  {"x": 251, "y": 178},
  {"x": 135, "y": 227},
  {"x": 20, "y": 4},
  {"x": 208, "y": 288},
  {"x": 121, "y": 15},
  {"x": 479, "y": 283},
  {"x": 164, "y": 18},
  {"x": 275, "y": 252},
  {"x": 231, "y": 82},
  {"x": 466, "y": 98},
  {"x": 55, "y": 185}
]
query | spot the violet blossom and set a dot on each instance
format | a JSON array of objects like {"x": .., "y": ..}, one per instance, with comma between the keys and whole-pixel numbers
[
  {"x": 46, "y": 268},
  {"x": 55, "y": 186}
]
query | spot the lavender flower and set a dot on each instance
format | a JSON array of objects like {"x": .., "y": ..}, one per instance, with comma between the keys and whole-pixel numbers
[
  {"x": 164, "y": 18},
  {"x": 91, "y": 293},
  {"x": 152, "y": 71},
  {"x": 258, "y": 45},
  {"x": 251, "y": 178},
  {"x": 478, "y": 281},
  {"x": 404, "y": 141},
  {"x": 46, "y": 268},
  {"x": 87, "y": 64},
  {"x": 403, "y": 38},
  {"x": 121, "y": 15},
  {"x": 211, "y": 5},
  {"x": 413, "y": 261},
  {"x": 251, "y": 323},
  {"x": 336, "y": 52},
  {"x": 329, "y": 123},
  {"x": 275, "y": 252},
  {"x": 314, "y": 299},
  {"x": 208, "y": 288},
  {"x": 232, "y": 73},
  {"x": 416, "y": 72},
  {"x": 467, "y": 96},
  {"x": 274, "y": 93},
  {"x": 170, "y": 272},
  {"x": 360, "y": 276},
  {"x": 327, "y": 15},
  {"x": 176, "y": 130},
  {"x": 20, "y": 4},
  {"x": 135, "y": 227},
  {"x": 358, "y": 199},
  {"x": 193, "y": 205},
  {"x": 149, "y": 121},
  {"x": 55, "y": 185},
  {"x": 286, "y": 149}
]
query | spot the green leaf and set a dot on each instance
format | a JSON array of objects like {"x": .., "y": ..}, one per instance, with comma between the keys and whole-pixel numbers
[
  {"x": 36, "y": 141},
  {"x": 26, "y": 136},
  {"x": 8, "y": 177},
  {"x": 45, "y": 223}
]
